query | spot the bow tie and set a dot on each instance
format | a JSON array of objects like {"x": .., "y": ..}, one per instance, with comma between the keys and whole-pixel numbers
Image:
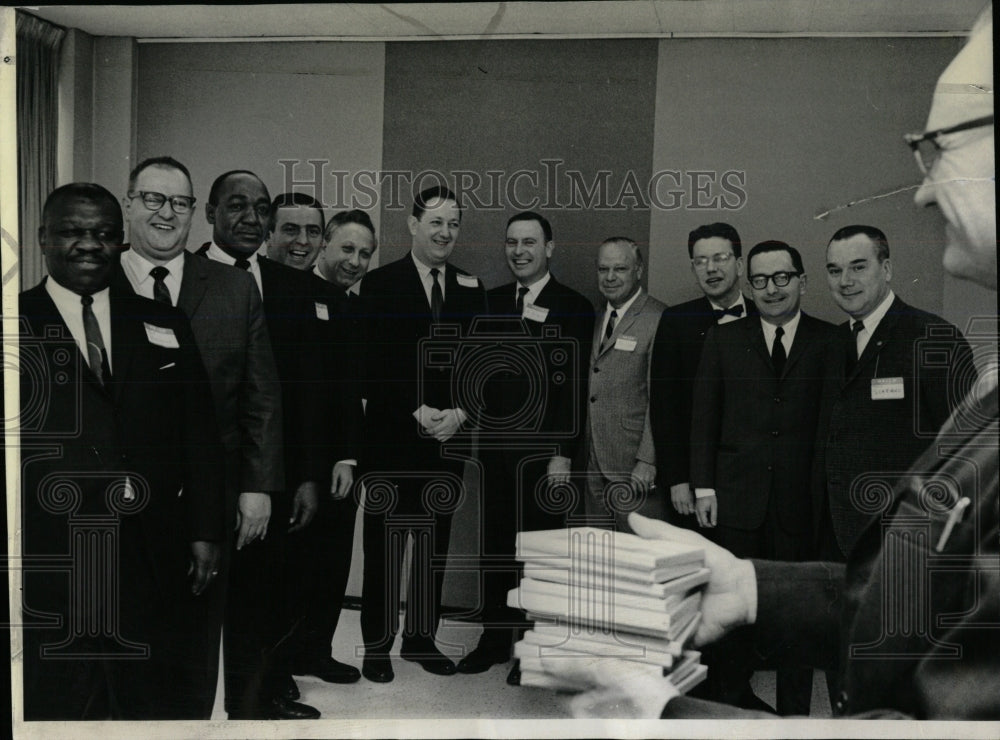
[{"x": 736, "y": 311}]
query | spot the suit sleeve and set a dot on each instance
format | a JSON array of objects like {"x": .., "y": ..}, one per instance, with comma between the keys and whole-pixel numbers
[
  {"x": 666, "y": 416},
  {"x": 706, "y": 416},
  {"x": 647, "y": 450},
  {"x": 262, "y": 464},
  {"x": 204, "y": 475}
]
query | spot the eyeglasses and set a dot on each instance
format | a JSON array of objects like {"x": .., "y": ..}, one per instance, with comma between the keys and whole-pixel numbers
[
  {"x": 718, "y": 259},
  {"x": 154, "y": 201},
  {"x": 926, "y": 148},
  {"x": 781, "y": 279}
]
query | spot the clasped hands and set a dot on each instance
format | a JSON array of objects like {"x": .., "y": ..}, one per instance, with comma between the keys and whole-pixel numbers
[
  {"x": 617, "y": 689},
  {"x": 442, "y": 424}
]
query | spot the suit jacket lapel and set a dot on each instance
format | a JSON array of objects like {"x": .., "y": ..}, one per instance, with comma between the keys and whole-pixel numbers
[
  {"x": 46, "y": 313},
  {"x": 194, "y": 283},
  {"x": 623, "y": 325},
  {"x": 880, "y": 337},
  {"x": 755, "y": 335},
  {"x": 803, "y": 336}
]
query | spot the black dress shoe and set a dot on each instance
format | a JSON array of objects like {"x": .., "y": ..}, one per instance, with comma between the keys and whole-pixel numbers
[
  {"x": 429, "y": 658},
  {"x": 279, "y": 708},
  {"x": 287, "y": 688},
  {"x": 514, "y": 677},
  {"x": 377, "y": 669},
  {"x": 328, "y": 669},
  {"x": 481, "y": 659}
]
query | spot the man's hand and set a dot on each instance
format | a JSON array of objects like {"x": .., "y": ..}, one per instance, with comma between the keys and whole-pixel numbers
[
  {"x": 204, "y": 565},
  {"x": 620, "y": 689},
  {"x": 304, "y": 504},
  {"x": 706, "y": 507},
  {"x": 730, "y": 597},
  {"x": 558, "y": 470},
  {"x": 252, "y": 516},
  {"x": 643, "y": 475},
  {"x": 342, "y": 480},
  {"x": 682, "y": 497},
  {"x": 444, "y": 424}
]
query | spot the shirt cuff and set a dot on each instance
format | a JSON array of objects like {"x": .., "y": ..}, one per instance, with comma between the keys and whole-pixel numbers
[
  {"x": 704, "y": 492},
  {"x": 347, "y": 462}
]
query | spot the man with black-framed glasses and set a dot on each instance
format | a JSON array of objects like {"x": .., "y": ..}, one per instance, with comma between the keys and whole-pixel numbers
[
  {"x": 883, "y": 395},
  {"x": 755, "y": 410}
]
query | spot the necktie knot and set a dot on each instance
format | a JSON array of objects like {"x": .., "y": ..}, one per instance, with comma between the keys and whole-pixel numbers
[
  {"x": 87, "y": 300},
  {"x": 243, "y": 263},
  {"x": 161, "y": 293},
  {"x": 721, "y": 313},
  {"x": 610, "y": 329},
  {"x": 159, "y": 272},
  {"x": 857, "y": 327},
  {"x": 779, "y": 332},
  {"x": 521, "y": 293},
  {"x": 778, "y": 355}
]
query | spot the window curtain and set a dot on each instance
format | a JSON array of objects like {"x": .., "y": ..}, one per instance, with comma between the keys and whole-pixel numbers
[{"x": 38, "y": 47}]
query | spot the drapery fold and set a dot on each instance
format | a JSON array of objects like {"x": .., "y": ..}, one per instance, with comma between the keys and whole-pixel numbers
[{"x": 38, "y": 49}]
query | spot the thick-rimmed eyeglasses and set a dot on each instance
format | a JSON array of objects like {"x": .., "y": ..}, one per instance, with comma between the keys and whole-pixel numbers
[
  {"x": 718, "y": 259},
  {"x": 154, "y": 201},
  {"x": 780, "y": 279},
  {"x": 925, "y": 146}
]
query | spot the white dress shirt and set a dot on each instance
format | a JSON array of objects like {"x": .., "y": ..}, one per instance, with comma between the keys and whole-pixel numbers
[
  {"x": 137, "y": 268},
  {"x": 215, "y": 253},
  {"x": 533, "y": 290},
  {"x": 621, "y": 312},
  {"x": 70, "y": 307},
  {"x": 871, "y": 322}
]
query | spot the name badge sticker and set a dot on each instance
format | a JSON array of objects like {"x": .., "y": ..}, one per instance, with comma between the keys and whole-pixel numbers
[
  {"x": 161, "y": 336},
  {"x": 535, "y": 313},
  {"x": 322, "y": 312},
  {"x": 625, "y": 344},
  {"x": 887, "y": 389},
  {"x": 468, "y": 281}
]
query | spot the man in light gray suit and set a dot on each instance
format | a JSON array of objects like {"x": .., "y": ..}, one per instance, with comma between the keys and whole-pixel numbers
[{"x": 621, "y": 469}]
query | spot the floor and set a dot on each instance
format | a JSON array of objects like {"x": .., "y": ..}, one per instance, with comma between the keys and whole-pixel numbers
[{"x": 419, "y": 695}]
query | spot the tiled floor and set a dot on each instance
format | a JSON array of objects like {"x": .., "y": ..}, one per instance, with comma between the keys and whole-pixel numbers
[{"x": 419, "y": 695}]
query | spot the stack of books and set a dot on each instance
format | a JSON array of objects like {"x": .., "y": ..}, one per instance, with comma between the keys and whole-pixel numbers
[{"x": 592, "y": 593}]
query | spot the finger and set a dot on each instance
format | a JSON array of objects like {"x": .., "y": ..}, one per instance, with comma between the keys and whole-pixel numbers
[
  {"x": 241, "y": 540},
  {"x": 201, "y": 577},
  {"x": 239, "y": 520}
]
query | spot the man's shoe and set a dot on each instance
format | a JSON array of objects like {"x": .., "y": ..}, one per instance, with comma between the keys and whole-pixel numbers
[
  {"x": 287, "y": 688},
  {"x": 328, "y": 669},
  {"x": 377, "y": 669},
  {"x": 429, "y": 658},
  {"x": 279, "y": 708},
  {"x": 481, "y": 659},
  {"x": 514, "y": 677}
]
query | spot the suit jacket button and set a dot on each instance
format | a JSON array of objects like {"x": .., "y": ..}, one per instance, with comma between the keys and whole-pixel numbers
[
  {"x": 774, "y": 433},
  {"x": 593, "y": 399},
  {"x": 597, "y": 369},
  {"x": 841, "y": 704},
  {"x": 777, "y": 400},
  {"x": 770, "y": 468}
]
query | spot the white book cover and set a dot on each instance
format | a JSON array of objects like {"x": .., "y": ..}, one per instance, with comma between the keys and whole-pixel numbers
[{"x": 605, "y": 548}]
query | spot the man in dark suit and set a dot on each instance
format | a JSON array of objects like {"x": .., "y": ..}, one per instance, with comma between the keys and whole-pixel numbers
[
  {"x": 239, "y": 209},
  {"x": 227, "y": 319},
  {"x": 895, "y": 379},
  {"x": 756, "y": 406},
  {"x": 134, "y": 490},
  {"x": 318, "y": 558},
  {"x": 717, "y": 264},
  {"x": 619, "y": 439},
  {"x": 911, "y": 621},
  {"x": 520, "y": 459},
  {"x": 413, "y": 483}
]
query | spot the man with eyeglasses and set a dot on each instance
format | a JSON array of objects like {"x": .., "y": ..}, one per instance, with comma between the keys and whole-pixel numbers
[
  {"x": 717, "y": 264},
  {"x": 881, "y": 386},
  {"x": 910, "y": 623},
  {"x": 151, "y": 492},
  {"x": 228, "y": 322},
  {"x": 755, "y": 410}
]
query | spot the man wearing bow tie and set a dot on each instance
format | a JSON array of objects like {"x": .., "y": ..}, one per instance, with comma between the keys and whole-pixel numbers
[
  {"x": 619, "y": 440},
  {"x": 716, "y": 262}
]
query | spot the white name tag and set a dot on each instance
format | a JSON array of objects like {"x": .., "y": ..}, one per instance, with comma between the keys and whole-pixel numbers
[
  {"x": 625, "y": 344},
  {"x": 535, "y": 313},
  {"x": 468, "y": 281},
  {"x": 161, "y": 336},
  {"x": 322, "y": 312},
  {"x": 885, "y": 389}
]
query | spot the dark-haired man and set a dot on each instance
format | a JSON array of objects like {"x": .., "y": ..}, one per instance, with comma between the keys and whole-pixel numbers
[
  {"x": 295, "y": 230},
  {"x": 139, "y": 470},
  {"x": 552, "y": 317},
  {"x": 881, "y": 387},
  {"x": 755, "y": 412},
  {"x": 717, "y": 264},
  {"x": 412, "y": 483}
]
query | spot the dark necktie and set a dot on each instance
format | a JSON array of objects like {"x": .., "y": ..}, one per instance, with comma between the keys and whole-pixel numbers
[
  {"x": 437, "y": 298},
  {"x": 519, "y": 305},
  {"x": 243, "y": 263},
  {"x": 610, "y": 328},
  {"x": 852, "y": 350},
  {"x": 720, "y": 313},
  {"x": 160, "y": 291},
  {"x": 95, "y": 342},
  {"x": 778, "y": 355}
]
